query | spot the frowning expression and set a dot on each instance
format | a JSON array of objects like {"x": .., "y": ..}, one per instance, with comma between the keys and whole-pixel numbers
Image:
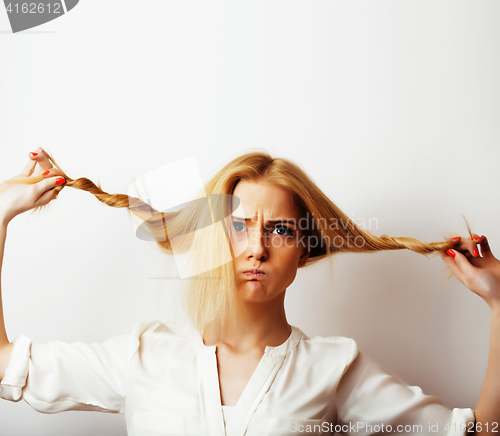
[{"x": 267, "y": 236}]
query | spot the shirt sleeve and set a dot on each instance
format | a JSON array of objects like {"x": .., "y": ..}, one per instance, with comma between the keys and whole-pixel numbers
[
  {"x": 371, "y": 400},
  {"x": 57, "y": 376}
]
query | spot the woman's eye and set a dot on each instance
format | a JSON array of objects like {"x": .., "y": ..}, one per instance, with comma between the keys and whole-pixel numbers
[
  {"x": 282, "y": 231},
  {"x": 239, "y": 226}
]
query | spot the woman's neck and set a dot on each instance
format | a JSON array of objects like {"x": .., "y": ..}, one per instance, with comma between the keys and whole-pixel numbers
[{"x": 252, "y": 326}]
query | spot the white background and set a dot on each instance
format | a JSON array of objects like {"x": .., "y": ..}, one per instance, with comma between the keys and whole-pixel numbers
[{"x": 392, "y": 107}]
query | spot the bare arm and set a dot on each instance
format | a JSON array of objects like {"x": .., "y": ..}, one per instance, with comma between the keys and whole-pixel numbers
[
  {"x": 488, "y": 406},
  {"x": 482, "y": 276},
  {"x": 5, "y": 345},
  {"x": 24, "y": 192}
]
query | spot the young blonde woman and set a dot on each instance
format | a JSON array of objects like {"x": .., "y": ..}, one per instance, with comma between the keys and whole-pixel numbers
[{"x": 248, "y": 372}]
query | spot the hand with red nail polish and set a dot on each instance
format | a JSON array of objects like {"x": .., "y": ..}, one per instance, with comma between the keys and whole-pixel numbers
[
  {"x": 480, "y": 273},
  {"x": 31, "y": 188}
]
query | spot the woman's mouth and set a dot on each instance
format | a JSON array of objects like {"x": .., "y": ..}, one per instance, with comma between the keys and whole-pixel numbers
[{"x": 254, "y": 273}]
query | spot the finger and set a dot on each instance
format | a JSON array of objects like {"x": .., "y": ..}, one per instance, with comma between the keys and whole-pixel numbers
[
  {"x": 43, "y": 161},
  {"x": 51, "y": 173},
  {"x": 463, "y": 264},
  {"x": 476, "y": 238},
  {"x": 450, "y": 261},
  {"x": 58, "y": 189},
  {"x": 485, "y": 248},
  {"x": 460, "y": 245},
  {"x": 28, "y": 169},
  {"x": 46, "y": 197},
  {"x": 472, "y": 247},
  {"x": 468, "y": 245},
  {"x": 46, "y": 184}
]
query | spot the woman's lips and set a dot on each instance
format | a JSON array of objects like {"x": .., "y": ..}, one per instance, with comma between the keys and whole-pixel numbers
[{"x": 254, "y": 274}]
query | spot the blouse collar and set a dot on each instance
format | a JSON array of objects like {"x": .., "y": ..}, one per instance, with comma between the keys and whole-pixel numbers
[{"x": 280, "y": 350}]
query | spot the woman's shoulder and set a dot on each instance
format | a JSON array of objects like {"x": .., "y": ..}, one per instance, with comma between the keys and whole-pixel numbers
[
  {"x": 326, "y": 341},
  {"x": 154, "y": 335},
  {"x": 329, "y": 346},
  {"x": 148, "y": 328}
]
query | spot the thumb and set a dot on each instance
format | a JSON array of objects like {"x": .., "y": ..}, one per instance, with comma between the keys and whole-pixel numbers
[
  {"x": 45, "y": 190},
  {"x": 485, "y": 248},
  {"x": 46, "y": 184}
]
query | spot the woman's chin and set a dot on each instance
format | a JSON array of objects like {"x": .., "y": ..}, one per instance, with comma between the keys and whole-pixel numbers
[{"x": 253, "y": 291}]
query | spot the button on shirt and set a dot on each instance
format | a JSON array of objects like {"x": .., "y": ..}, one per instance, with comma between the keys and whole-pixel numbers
[{"x": 166, "y": 384}]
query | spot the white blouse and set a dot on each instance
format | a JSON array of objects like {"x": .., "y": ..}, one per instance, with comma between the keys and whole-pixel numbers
[
  {"x": 166, "y": 384},
  {"x": 226, "y": 413}
]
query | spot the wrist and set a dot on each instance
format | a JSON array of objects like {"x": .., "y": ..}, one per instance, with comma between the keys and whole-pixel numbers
[
  {"x": 495, "y": 310},
  {"x": 4, "y": 219},
  {"x": 4, "y": 222}
]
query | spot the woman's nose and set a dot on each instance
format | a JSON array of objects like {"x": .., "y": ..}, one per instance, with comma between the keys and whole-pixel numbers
[{"x": 257, "y": 247}]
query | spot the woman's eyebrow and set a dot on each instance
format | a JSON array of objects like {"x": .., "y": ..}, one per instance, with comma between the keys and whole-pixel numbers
[
  {"x": 283, "y": 221},
  {"x": 291, "y": 221}
]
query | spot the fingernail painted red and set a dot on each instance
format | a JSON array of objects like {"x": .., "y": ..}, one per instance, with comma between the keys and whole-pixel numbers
[
  {"x": 456, "y": 238},
  {"x": 45, "y": 173},
  {"x": 477, "y": 238},
  {"x": 451, "y": 253},
  {"x": 475, "y": 252},
  {"x": 34, "y": 154},
  {"x": 60, "y": 180}
]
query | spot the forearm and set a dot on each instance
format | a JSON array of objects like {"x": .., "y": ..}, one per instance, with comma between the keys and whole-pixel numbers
[
  {"x": 3, "y": 234},
  {"x": 488, "y": 407},
  {"x": 5, "y": 345}
]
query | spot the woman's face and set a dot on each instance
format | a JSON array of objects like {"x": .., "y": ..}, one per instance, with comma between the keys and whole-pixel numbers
[{"x": 267, "y": 240}]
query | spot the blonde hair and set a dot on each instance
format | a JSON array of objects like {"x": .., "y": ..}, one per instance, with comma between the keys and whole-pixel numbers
[{"x": 211, "y": 292}]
